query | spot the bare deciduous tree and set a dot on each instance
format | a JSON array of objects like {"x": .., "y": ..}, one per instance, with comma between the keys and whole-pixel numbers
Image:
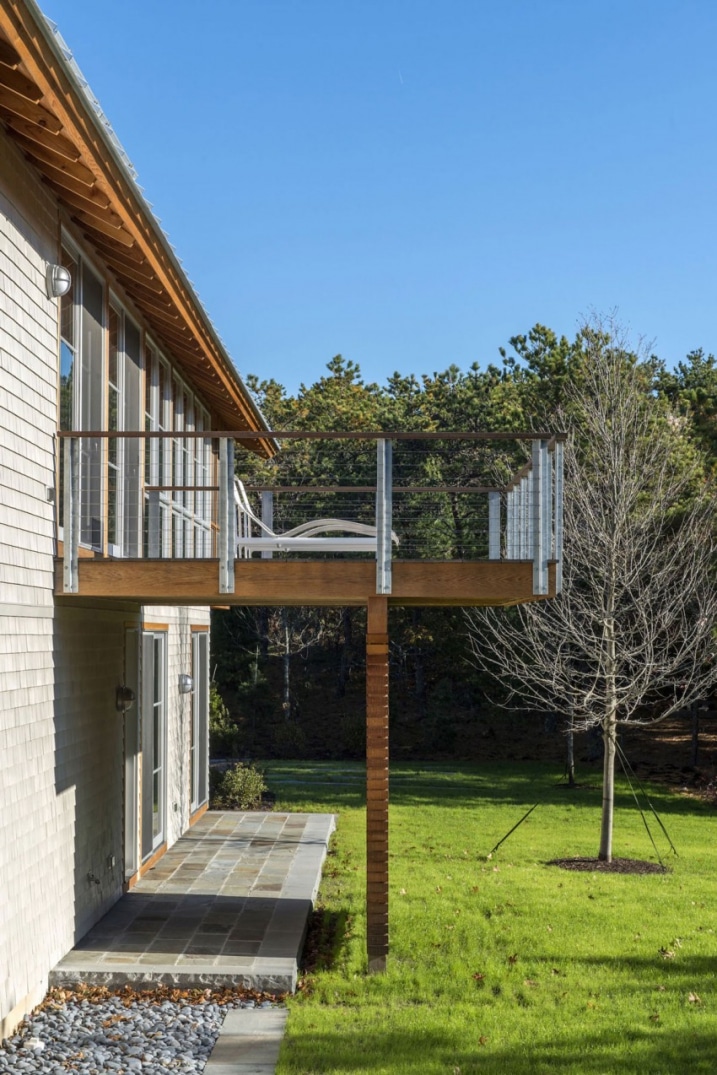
[{"x": 632, "y": 637}]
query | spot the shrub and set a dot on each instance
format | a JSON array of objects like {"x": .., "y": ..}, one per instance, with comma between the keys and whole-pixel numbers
[{"x": 239, "y": 788}]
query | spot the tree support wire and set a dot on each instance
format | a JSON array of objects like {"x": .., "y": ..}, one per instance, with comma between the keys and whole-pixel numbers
[
  {"x": 511, "y": 831},
  {"x": 626, "y": 765}
]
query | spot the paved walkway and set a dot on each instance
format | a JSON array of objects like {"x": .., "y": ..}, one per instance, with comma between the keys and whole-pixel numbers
[{"x": 227, "y": 905}]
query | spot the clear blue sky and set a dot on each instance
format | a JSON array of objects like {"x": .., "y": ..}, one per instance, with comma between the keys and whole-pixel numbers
[{"x": 410, "y": 183}]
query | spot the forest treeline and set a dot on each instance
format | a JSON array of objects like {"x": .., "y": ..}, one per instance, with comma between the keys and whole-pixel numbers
[{"x": 290, "y": 682}]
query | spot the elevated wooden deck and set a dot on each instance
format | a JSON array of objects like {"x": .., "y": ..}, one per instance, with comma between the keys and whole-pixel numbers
[{"x": 305, "y": 582}]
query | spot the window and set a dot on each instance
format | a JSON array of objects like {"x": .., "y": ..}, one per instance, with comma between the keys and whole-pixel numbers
[{"x": 101, "y": 367}]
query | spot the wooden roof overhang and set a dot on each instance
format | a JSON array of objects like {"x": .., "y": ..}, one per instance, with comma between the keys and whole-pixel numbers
[{"x": 47, "y": 113}]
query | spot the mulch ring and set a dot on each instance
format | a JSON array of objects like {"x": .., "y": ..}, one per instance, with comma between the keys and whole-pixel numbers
[{"x": 616, "y": 866}]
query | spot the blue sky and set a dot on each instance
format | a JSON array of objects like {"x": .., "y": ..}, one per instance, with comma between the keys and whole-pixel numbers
[{"x": 410, "y": 183}]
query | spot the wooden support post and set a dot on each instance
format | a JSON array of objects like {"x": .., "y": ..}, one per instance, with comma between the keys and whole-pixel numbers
[{"x": 377, "y": 784}]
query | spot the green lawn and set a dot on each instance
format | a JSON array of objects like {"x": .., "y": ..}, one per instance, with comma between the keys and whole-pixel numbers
[{"x": 507, "y": 965}]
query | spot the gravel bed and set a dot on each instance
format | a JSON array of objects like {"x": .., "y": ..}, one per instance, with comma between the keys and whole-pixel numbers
[{"x": 122, "y": 1033}]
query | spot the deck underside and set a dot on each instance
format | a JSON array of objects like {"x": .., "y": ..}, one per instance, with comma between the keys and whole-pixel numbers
[{"x": 306, "y": 582}]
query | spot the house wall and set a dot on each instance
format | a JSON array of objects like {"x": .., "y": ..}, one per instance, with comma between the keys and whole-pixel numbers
[{"x": 61, "y": 737}]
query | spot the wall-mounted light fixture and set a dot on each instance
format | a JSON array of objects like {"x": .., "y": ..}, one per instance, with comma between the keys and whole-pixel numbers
[
  {"x": 58, "y": 281},
  {"x": 124, "y": 699},
  {"x": 186, "y": 683}
]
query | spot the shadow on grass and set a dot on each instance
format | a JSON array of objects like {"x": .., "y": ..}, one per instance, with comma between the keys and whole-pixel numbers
[
  {"x": 425, "y": 1052},
  {"x": 499, "y": 784},
  {"x": 326, "y": 933}
]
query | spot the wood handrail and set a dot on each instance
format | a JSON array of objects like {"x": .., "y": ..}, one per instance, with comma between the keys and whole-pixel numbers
[{"x": 302, "y": 434}]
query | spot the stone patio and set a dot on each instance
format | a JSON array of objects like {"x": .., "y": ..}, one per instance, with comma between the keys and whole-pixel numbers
[{"x": 227, "y": 905}]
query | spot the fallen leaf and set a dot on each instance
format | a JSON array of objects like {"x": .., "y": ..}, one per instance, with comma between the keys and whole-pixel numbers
[
  {"x": 694, "y": 999},
  {"x": 402, "y": 892},
  {"x": 438, "y": 888},
  {"x": 667, "y": 953},
  {"x": 529, "y": 981},
  {"x": 478, "y": 977},
  {"x": 556, "y": 971},
  {"x": 496, "y": 870},
  {"x": 655, "y": 1017},
  {"x": 661, "y": 988},
  {"x": 549, "y": 929},
  {"x": 482, "y": 1040}
]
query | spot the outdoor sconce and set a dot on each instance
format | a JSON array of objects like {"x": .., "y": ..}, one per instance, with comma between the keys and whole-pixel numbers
[
  {"x": 124, "y": 699},
  {"x": 186, "y": 683},
  {"x": 58, "y": 281}
]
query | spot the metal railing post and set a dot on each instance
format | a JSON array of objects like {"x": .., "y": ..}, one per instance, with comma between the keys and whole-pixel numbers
[
  {"x": 509, "y": 525},
  {"x": 227, "y": 516},
  {"x": 384, "y": 513},
  {"x": 548, "y": 502},
  {"x": 71, "y": 515},
  {"x": 494, "y": 526},
  {"x": 540, "y": 537},
  {"x": 154, "y": 525},
  {"x": 559, "y": 493},
  {"x": 267, "y": 517}
]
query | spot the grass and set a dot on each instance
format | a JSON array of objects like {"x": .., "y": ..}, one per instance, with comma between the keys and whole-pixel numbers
[{"x": 506, "y": 965}]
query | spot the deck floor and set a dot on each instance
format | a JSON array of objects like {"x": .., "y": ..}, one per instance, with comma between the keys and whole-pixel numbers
[{"x": 227, "y": 905}]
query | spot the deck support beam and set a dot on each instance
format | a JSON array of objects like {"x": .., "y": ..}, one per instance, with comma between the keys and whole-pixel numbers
[{"x": 377, "y": 784}]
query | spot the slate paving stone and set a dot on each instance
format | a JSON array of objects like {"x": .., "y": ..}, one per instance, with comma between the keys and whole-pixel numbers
[{"x": 230, "y": 900}]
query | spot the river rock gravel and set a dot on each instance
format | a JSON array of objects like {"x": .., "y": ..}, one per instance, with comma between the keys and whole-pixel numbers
[{"x": 121, "y": 1033}]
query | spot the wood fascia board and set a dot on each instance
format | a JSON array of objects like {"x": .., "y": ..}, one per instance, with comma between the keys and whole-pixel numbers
[
  {"x": 74, "y": 116},
  {"x": 309, "y": 582}
]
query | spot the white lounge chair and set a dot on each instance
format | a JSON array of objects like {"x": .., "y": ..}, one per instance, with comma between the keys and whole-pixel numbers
[{"x": 308, "y": 537}]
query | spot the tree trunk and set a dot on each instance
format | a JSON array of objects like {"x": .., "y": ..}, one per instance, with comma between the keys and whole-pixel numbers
[
  {"x": 609, "y": 730},
  {"x": 570, "y": 760},
  {"x": 609, "y": 733}
]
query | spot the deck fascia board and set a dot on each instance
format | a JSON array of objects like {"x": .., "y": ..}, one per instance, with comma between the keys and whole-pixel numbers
[{"x": 306, "y": 582}]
